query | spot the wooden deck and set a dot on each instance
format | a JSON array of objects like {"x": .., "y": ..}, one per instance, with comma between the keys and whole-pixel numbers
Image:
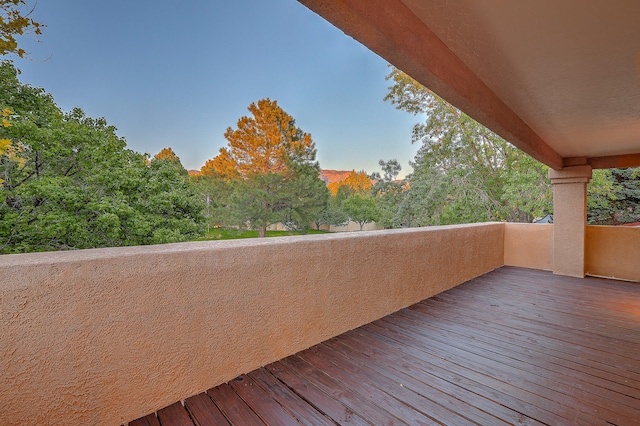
[{"x": 514, "y": 346}]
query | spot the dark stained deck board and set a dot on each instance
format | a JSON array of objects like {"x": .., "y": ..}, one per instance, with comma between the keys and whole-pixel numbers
[
  {"x": 203, "y": 411},
  {"x": 233, "y": 406},
  {"x": 354, "y": 401},
  {"x": 457, "y": 398},
  {"x": 537, "y": 318},
  {"x": 323, "y": 402},
  {"x": 421, "y": 397},
  {"x": 515, "y": 360},
  {"x": 579, "y": 301},
  {"x": 603, "y": 350},
  {"x": 397, "y": 400},
  {"x": 303, "y": 411},
  {"x": 473, "y": 384},
  {"x": 498, "y": 367},
  {"x": 514, "y": 346},
  {"x": 533, "y": 342},
  {"x": 569, "y": 319},
  {"x": 564, "y": 370},
  {"x": 148, "y": 420},
  {"x": 174, "y": 415},
  {"x": 521, "y": 400},
  {"x": 260, "y": 402}
]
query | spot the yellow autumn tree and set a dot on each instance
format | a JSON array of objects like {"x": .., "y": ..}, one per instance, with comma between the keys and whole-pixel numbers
[
  {"x": 356, "y": 182},
  {"x": 5, "y": 144},
  {"x": 4, "y": 122}
]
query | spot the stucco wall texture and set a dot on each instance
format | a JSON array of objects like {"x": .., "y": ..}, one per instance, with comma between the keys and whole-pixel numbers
[
  {"x": 529, "y": 245},
  {"x": 613, "y": 252},
  {"x": 105, "y": 336},
  {"x": 610, "y": 251}
]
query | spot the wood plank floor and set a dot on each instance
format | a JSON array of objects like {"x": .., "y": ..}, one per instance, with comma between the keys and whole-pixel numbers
[{"x": 514, "y": 346}]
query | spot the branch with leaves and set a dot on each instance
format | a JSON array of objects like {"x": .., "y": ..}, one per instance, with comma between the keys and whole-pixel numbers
[
  {"x": 15, "y": 20},
  {"x": 463, "y": 172}
]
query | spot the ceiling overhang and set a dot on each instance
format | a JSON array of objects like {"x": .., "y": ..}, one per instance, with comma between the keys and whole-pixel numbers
[{"x": 533, "y": 72}]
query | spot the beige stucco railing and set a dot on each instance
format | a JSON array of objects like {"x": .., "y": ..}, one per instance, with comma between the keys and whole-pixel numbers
[
  {"x": 613, "y": 252},
  {"x": 610, "y": 251},
  {"x": 108, "y": 335}
]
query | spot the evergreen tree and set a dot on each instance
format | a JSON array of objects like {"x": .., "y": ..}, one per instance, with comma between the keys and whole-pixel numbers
[
  {"x": 69, "y": 182},
  {"x": 271, "y": 167},
  {"x": 614, "y": 197}
]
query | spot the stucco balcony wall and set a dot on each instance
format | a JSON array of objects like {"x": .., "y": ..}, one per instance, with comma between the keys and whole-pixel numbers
[
  {"x": 610, "y": 251},
  {"x": 613, "y": 252},
  {"x": 529, "y": 245},
  {"x": 108, "y": 335}
]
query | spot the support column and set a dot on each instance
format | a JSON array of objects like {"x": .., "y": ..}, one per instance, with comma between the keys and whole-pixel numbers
[{"x": 569, "y": 219}]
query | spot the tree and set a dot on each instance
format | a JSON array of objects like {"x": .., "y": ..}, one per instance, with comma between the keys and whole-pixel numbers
[
  {"x": 627, "y": 200},
  {"x": 463, "y": 172},
  {"x": 5, "y": 144},
  {"x": 167, "y": 154},
  {"x": 361, "y": 209},
  {"x": 268, "y": 142},
  {"x": 307, "y": 196},
  {"x": 614, "y": 197},
  {"x": 389, "y": 194},
  {"x": 354, "y": 183},
  {"x": 332, "y": 214},
  {"x": 14, "y": 21},
  {"x": 215, "y": 191},
  {"x": 69, "y": 182},
  {"x": 271, "y": 164}
]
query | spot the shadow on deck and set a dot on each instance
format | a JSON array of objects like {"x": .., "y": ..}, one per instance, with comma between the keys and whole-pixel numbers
[{"x": 514, "y": 346}]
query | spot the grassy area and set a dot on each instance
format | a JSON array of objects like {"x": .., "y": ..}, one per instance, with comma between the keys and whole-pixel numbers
[{"x": 233, "y": 234}]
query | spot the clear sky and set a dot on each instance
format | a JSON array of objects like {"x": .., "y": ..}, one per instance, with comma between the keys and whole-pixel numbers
[{"x": 177, "y": 73}]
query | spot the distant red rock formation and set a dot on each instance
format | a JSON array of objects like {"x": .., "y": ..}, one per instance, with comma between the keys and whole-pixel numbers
[
  {"x": 331, "y": 176},
  {"x": 327, "y": 176}
]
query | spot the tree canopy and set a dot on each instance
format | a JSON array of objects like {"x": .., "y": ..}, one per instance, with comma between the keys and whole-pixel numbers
[
  {"x": 361, "y": 209},
  {"x": 389, "y": 194},
  {"x": 269, "y": 170},
  {"x": 463, "y": 172},
  {"x": 267, "y": 142},
  {"x": 69, "y": 182},
  {"x": 614, "y": 197},
  {"x": 354, "y": 183}
]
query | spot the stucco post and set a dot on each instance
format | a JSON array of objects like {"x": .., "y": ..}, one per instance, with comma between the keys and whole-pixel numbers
[{"x": 569, "y": 219}]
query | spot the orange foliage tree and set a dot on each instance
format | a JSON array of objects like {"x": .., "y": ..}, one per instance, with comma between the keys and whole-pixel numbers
[
  {"x": 266, "y": 143},
  {"x": 271, "y": 164},
  {"x": 166, "y": 154},
  {"x": 222, "y": 165},
  {"x": 355, "y": 183}
]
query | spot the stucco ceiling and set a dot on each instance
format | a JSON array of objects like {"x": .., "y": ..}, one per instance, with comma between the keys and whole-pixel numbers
[{"x": 560, "y": 79}]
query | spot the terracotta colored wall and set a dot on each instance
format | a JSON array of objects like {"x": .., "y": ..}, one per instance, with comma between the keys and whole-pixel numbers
[
  {"x": 105, "y": 336},
  {"x": 529, "y": 245},
  {"x": 613, "y": 252}
]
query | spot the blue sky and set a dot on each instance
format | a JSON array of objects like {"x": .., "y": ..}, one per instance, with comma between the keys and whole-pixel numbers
[{"x": 179, "y": 72}]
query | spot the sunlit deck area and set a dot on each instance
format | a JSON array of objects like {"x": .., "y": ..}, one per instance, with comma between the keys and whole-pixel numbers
[{"x": 513, "y": 346}]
